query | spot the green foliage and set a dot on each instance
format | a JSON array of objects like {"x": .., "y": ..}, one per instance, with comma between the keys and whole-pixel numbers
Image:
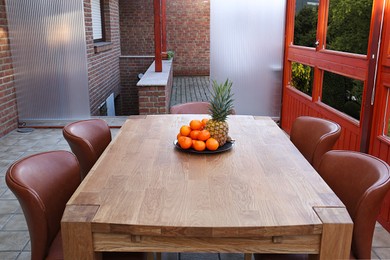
[
  {"x": 343, "y": 94},
  {"x": 301, "y": 77},
  {"x": 170, "y": 54},
  {"x": 349, "y": 25},
  {"x": 305, "y": 28},
  {"x": 221, "y": 104},
  {"x": 388, "y": 128}
]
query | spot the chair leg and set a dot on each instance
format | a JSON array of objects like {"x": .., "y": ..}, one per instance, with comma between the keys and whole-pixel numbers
[
  {"x": 247, "y": 256},
  {"x": 150, "y": 256}
]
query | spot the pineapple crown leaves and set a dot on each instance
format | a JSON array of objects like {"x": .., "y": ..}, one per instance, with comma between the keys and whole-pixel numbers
[{"x": 221, "y": 104}]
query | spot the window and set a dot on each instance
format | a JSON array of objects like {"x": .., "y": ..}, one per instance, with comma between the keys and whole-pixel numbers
[
  {"x": 338, "y": 25},
  {"x": 302, "y": 77},
  {"x": 305, "y": 26},
  {"x": 345, "y": 60},
  {"x": 343, "y": 93},
  {"x": 97, "y": 20},
  {"x": 349, "y": 25}
]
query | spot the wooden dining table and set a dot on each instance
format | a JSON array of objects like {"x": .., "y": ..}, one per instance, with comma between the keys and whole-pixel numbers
[{"x": 261, "y": 196}]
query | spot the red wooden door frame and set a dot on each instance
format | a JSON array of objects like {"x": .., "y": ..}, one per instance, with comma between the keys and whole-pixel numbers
[
  {"x": 356, "y": 66},
  {"x": 366, "y": 135},
  {"x": 379, "y": 142}
]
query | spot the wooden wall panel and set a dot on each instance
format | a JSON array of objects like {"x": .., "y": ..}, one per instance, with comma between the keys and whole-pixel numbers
[
  {"x": 299, "y": 104},
  {"x": 347, "y": 64}
]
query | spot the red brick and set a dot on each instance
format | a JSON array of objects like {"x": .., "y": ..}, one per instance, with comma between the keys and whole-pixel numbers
[{"x": 8, "y": 115}]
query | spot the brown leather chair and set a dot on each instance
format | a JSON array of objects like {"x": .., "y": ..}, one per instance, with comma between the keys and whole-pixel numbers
[
  {"x": 43, "y": 183},
  {"x": 361, "y": 181},
  {"x": 191, "y": 108},
  {"x": 314, "y": 137},
  {"x": 87, "y": 139}
]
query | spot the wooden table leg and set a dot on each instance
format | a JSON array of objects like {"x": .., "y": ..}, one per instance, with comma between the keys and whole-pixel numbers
[
  {"x": 336, "y": 233},
  {"x": 77, "y": 234},
  {"x": 247, "y": 256}
]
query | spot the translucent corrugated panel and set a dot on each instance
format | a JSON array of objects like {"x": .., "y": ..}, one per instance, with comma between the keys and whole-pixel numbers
[
  {"x": 246, "y": 45},
  {"x": 49, "y": 56}
]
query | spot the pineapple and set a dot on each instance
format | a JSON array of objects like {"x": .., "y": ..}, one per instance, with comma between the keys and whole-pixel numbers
[{"x": 221, "y": 106}]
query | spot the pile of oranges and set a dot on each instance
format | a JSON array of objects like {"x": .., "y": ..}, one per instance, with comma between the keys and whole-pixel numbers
[{"x": 195, "y": 136}]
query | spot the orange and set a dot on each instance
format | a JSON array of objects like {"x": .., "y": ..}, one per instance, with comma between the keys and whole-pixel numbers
[
  {"x": 178, "y": 135},
  {"x": 185, "y": 130},
  {"x": 204, "y": 121},
  {"x": 199, "y": 145},
  {"x": 212, "y": 144},
  {"x": 204, "y": 135},
  {"x": 193, "y": 143},
  {"x": 185, "y": 142},
  {"x": 195, "y": 124},
  {"x": 194, "y": 134}
]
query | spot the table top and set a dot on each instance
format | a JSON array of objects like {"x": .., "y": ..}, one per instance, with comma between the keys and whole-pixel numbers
[{"x": 143, "y": 185}]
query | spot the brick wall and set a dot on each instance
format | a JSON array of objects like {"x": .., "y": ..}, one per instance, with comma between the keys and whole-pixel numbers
[
  {"x": 103, "y": 61},
  {"x": 137, "y": 27},
  {"x": 8, "y": 110},
  {"x": 188, "y": 35},
  {"x": 155, "y": 99},
  {"x": 130, "y": 68},
  {"x": 137, "y": 32},
  {"x": 188, "y": 32},
  {"x": 152, "y": 100}
]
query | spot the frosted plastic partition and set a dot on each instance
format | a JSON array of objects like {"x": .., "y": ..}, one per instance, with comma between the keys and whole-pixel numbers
[
  {"x": 246, "y": 46},
  {"x": 48, "y": 47}
]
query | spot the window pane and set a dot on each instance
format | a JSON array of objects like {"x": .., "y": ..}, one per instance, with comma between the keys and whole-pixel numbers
[
  {"x": 349, "y": 25},
  {"x": 305, "y": 26},
  {"x": 302, "y": 77},
  {"x": 96, "y": 20},
  {"x": 343, "y": 93}
]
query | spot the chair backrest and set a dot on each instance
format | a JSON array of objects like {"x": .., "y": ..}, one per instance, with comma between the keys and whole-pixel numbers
[
  {"x": 191, "y": 108},
  {"x": 361, "y": 182},
  {"x": 43, "y": 184},
  {"x": 194, "y": 108},
  {"x": 87, "y": 139},
  {"x": 314, "y": 137}
]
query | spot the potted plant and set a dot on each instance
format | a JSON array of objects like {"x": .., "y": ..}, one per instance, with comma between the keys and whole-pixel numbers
[{"x": 168, "y": 55}]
